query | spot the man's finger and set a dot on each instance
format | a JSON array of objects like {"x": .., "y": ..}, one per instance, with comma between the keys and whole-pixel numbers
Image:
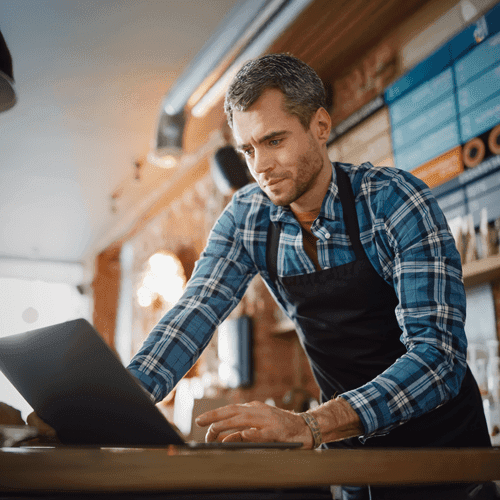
[
  {"x": 214, "y": 434},
  {"x": 222, "y": 413},
  {"x": 43, "y": 428},
  {"x": 234, "y": 437},
  {"x": 255, "y": 436},
  {"x": 251, "y": 412},
  {"x": 240, "y": 421}
]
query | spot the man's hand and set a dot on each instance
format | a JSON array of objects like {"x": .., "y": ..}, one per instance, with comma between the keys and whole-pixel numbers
[
  {"x": 46, "y": 434},
  {"x": 10, "y": 416},
  {"x": 255, "y": 422}
]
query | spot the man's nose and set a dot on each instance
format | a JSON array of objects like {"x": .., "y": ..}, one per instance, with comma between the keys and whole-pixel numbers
[{"x": 262, "y": 162}]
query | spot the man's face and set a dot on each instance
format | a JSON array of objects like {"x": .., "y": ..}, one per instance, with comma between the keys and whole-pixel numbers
[{"x": 283, "y": 158}]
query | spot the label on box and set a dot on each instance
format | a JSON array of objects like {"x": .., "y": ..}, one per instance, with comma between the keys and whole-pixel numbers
[
  {"x": 422, "y": 97},
  {"x": 486, "y": 184},
  {"x": 456, "y": 197},
  {"x": 428, "y": 147},
  {"x": 477, "y": 91},
  {"x": 429, "y": 120},
  {"x": 441, "y": 169},
  {"x": 478, "y": 60},
  {"x": 481, "y": 119},
  {"x": 422, "y": 72}
]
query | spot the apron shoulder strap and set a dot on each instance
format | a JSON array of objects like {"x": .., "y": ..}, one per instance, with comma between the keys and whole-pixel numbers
[
  {"x": 349, "y": 208},
  {"x": 273, "y": 240}
]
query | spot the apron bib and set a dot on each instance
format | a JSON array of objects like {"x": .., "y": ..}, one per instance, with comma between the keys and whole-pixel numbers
[{"x": 346, "y": 323}]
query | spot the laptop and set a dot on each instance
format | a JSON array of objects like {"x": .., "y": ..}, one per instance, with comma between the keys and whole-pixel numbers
[{"x": 77, "y": 384}]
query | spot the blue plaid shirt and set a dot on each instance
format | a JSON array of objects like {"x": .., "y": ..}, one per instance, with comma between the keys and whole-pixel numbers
[{"x": 407, "y": 240}]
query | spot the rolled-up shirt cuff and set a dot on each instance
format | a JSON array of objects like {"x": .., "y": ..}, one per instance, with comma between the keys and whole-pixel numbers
[{"x": 364, "y": 401}]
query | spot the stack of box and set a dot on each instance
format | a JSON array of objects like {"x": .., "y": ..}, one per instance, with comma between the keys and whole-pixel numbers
[
  {"x": 477, "y": 76},
  {"x": 446, "y": 101},
  {"x": 425, "y": 122},
  {"x": 478, "y": 90},
  {"x": 424, "y": 119}
]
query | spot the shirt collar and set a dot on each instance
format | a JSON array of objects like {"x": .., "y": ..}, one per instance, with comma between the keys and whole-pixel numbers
[{"x": 331, "y": 208}]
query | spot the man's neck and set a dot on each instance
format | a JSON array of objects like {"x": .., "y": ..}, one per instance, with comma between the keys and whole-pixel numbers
[{"x": 312, "y": 201}]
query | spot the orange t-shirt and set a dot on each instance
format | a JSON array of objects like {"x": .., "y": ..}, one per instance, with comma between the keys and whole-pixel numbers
[{"x": 305, "y": 220}]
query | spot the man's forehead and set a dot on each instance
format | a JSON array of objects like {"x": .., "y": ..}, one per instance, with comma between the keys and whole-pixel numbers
[
  {"x": 246, "y": 132},
  {"x": 245, "y": 126},
  {"x": 265, "y": 116}
]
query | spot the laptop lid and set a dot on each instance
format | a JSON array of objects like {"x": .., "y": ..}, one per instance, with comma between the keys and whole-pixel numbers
[{"x": 77, "y": 384}]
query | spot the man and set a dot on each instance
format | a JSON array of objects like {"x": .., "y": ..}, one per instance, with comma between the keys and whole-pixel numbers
[{"x": 360, "y": 258}]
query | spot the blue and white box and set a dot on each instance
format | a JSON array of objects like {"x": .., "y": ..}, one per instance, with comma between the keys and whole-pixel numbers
[
  {"x": 478, "y": 60},
  {"x": 424, "y": 71},
  {"x": 428, "y": 147},
  {"x": 422, "y": 97},
  {"x": 480, "y": 119},
  {"x": 429, "y": 120},
  {"x": 479, "y": 90},
  {"x": 483, "y": 186}
]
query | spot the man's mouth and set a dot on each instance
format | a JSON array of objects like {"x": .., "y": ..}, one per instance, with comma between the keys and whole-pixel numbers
[{"x": 275, "y": 180}]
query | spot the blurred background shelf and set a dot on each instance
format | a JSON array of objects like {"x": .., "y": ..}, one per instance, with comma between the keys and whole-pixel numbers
[{"x": 481, "y": 271}]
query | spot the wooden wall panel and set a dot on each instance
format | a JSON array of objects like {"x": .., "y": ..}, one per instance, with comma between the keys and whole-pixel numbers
[
  {"x": 106, "y": 286},
  {"x": 198, "y": 130},
  {"x": 333, "y": 34},
  {"x": 369, "y": 141}
]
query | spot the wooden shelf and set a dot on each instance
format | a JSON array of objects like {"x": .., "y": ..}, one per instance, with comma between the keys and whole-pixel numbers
[{"x": 481, "y": 271}]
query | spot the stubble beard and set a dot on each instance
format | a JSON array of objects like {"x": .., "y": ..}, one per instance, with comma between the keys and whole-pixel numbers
[{"x": 308, "y": 166}]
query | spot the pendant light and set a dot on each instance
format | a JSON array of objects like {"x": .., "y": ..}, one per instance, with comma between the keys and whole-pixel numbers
[
  {"x": 7, "y": 92},
  {"x": 167, "y": 147},
  {"x": 228, "y": 170}
]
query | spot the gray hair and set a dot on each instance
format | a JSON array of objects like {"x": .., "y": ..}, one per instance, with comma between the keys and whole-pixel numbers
[{"x": 302, "y": 88}]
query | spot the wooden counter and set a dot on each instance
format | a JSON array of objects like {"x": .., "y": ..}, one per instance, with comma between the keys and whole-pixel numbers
[{"x": 153, "y": 470}]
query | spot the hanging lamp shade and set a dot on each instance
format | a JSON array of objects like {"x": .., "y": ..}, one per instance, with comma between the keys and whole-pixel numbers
[
  {"x": 229, "y": 171},
  {"x": 167, "y": 147},
  {"x": 7, "y": 92}
]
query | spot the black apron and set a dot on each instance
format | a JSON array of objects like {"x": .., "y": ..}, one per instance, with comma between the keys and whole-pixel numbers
[{"x": 346, "y": 322}]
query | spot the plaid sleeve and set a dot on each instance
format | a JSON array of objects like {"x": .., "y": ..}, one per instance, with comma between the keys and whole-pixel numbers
[
  {"x": 218, "y": 283},
  {"x": 424, "y": 265}
]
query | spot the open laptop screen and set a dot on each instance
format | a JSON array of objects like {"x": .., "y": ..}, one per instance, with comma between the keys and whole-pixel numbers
[{"x": 76, "y": 384}]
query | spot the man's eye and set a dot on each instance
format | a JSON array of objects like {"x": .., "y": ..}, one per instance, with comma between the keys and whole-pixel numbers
[
  {"x": 274, "y": 142},
  {"x": 247, "y": 152}
]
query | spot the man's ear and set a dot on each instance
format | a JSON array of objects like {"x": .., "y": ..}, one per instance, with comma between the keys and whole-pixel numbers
[{"x": 321, "y": 125}]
